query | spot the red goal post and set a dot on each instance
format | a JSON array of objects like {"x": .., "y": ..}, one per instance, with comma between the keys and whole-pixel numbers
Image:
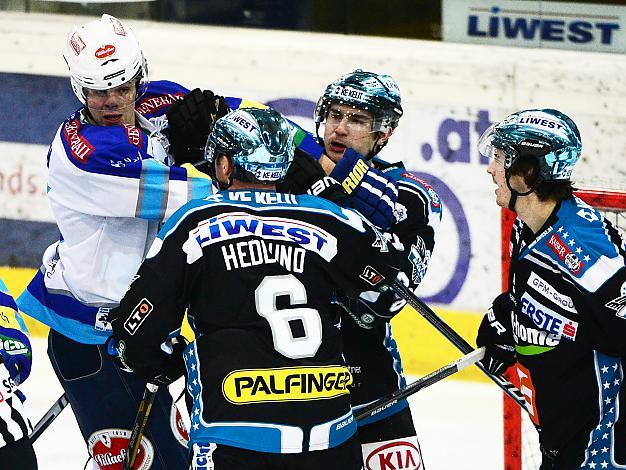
[{"x": 518, "y": 449}]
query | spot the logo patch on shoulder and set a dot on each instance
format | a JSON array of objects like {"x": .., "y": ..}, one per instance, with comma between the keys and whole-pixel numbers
[
  {"x": 371, "y": 276},
  {"x": 560, "y": 248},
  {"x": 139, "y": 314}
]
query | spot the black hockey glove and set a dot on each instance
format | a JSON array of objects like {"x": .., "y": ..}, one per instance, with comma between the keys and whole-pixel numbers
[
  {"x": 190, "y": 123},
  {"x": 496, "y": 335},
  {"x": 306, "y": 176},
  {"x": 372, "y": 193},
  {"x": 166, "y": 370}
]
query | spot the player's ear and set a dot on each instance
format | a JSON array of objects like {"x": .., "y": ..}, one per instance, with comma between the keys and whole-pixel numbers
[{"x": 223, "y": 168}]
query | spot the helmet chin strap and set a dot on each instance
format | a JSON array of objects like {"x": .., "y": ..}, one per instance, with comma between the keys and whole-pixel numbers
[{"x": 515, "y": 193}]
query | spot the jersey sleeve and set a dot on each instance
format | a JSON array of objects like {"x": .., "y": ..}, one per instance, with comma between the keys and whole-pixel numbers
[
  {"x": 366, "y": 258},
  {"x": 158, "y": 293},
  {"x": 418, "y": 215},
  {"x": 107, "y": 171}
]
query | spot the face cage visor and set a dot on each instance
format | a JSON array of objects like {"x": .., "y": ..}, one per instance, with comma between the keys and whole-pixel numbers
[
  {"x": 492, "y": 147},
  {"x": 379, "y": 121}
]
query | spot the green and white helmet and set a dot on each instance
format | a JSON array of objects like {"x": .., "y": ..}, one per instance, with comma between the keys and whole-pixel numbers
[
  {"x": 547, "y": 135},
  {"x": 377, "y": 93},
  {"x": 260, "y": 142}
]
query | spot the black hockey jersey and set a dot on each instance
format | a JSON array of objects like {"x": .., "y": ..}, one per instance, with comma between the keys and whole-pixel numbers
[
  {"x": 256, "y": 270},
  {"x": 374, "y": 358},
  {"x": 567, "y": 289}
]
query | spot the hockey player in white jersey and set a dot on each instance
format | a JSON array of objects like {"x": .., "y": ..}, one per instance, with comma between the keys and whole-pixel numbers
[
  {"x": 110, "y": 187},
  {"x": 16, "y": 450}
]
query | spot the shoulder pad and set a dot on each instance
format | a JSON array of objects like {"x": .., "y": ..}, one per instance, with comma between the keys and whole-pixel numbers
[
  {"x": 158, "y": 98},
  {"x": 581, "y": 247},
  {"x": 99, "y": 148},
  {"x": 424, "y": 187}
]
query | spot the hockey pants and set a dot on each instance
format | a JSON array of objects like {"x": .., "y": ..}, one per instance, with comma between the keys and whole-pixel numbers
[{"x": 104, "y": 398}]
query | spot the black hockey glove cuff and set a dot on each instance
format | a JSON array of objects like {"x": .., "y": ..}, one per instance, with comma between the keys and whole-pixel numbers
[
  {"x": 190, "y": 123},
  {"x": 167, "y": 368},
  {"x": 306, "y": 176},
  {"x": 496, "y": 335}
]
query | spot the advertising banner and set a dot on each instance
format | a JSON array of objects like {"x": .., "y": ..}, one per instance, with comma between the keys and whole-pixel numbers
[{"x": 526, "y": 23}]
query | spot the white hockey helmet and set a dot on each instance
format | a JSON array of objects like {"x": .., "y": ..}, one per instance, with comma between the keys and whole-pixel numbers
[{"x": 104, "y": 54}]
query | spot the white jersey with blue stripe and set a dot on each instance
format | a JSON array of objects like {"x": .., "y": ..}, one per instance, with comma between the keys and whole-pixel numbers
[{"x": 110, "y": 188}]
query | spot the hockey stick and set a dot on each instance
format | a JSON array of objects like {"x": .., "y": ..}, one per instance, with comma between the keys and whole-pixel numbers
[
  {"x": 47, "y": 419},
  {"x": 456, "y": 339},
  {"x": 139, "y": 426},
  {"x": 434, "y": 377}
]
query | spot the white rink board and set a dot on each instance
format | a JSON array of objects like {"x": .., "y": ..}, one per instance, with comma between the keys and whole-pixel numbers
[
  {"x": 459, "y": 424},
  {"x": 451, "y": 92}
]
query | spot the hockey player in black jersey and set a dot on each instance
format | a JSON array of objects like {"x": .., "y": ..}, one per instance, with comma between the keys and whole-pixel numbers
[
  {"x": 563, "y": 318},
  {"x": 256, "y": 270},
  {"x": 360, "y": 111}
]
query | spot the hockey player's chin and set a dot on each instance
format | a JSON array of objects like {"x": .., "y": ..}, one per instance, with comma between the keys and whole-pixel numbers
[
  {"x": 112, "y": 120},
  {"x": 335, "y": 151}
]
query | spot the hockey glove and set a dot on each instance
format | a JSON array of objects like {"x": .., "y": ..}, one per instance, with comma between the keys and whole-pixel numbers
[
  {"x": 306, "y": 176},
  {"x": 16, "y": 353},
  {"x": 371, "y": 192},
  {"x": 190, "y": 123},
  {"x": 495, "y": 334},
  {"x": 167, "y": 369}
]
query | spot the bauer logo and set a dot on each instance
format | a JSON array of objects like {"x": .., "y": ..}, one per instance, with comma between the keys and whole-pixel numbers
[
  {"x": 371, "y": 276},
  {"x": 400, "y": 454},
  {"x": 105, "y": 51},
  {"x": 286, "y": 384},
  {"x": 138, "y": 315},
  {"x": 108, "y": 449}
]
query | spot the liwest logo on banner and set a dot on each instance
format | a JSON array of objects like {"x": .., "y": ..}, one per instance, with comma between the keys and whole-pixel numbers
[{"x": 535, "y": 24}]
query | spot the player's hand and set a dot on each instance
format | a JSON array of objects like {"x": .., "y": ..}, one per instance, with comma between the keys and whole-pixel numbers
[
  {"x": 371, "y": 192},
  {"x": 15, "y": 354},
  {"x": 190, "y": 123},
  {"x": 495, "y": 334},
  {"x": 167, "y": 368},
  {"x": 306, "y": 176}
]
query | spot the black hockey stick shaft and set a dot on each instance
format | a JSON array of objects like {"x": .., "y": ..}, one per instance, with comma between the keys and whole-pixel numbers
[
  {"x": 48, "y": 418},
  {"x": 456, "y": 339},
  {"x": 434, "y": 377},
  {"x": 139, "y": 426}
]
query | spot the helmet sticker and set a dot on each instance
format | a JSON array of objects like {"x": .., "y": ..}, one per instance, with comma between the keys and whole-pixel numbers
[{"x": 77, "y": 43}]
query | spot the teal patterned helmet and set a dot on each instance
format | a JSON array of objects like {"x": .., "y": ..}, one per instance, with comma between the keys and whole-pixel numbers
[
  {"x": 260, "y": 142},
  {"x": 377, "y": 93},
  {"x": 547, "y": 135}
]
